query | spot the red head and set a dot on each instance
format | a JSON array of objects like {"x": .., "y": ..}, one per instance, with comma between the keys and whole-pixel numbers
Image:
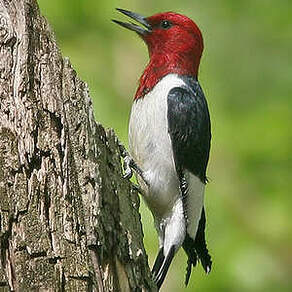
[{"x": 175, "y": 45}]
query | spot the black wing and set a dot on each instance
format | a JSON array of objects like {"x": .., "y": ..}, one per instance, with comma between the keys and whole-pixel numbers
[
  {"x": 189, "y": 128},
  {"x": 190, "y": 132}
]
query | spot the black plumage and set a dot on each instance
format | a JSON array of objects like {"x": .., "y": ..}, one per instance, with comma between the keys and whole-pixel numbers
[
  {"x": 190, "y": 132},
  {"x": 189, "y": 128}
]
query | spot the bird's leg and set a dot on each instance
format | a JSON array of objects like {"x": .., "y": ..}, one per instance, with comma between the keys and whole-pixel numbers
[{"x": 129, "y": 165}]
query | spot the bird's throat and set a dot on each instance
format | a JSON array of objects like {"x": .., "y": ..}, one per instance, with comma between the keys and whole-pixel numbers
[{"x": 162, "y": 65}]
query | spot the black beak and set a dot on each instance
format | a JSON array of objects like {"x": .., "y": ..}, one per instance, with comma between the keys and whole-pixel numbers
[{"x": 137, "y": 17}]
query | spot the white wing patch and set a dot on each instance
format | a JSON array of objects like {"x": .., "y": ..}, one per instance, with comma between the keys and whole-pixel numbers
[{"x": 194, "y": 204}]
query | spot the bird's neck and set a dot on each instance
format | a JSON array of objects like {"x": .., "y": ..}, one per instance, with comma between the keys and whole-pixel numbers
[{"x": 161, "y": 65}]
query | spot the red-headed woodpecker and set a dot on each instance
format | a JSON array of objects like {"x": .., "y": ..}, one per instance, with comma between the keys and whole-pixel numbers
[{"x": 169, "y": 137}]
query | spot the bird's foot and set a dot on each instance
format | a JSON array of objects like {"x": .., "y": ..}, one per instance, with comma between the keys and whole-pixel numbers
[
  {"x": 127, "y": 162},
  {"x": 129, "y": 165},
  {"x": 128, "y": 171}
]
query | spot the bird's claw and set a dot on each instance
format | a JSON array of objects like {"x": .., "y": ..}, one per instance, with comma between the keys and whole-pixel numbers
[
  {"x": 127, "y": 161},
  {"x": 127, "y": 167}
]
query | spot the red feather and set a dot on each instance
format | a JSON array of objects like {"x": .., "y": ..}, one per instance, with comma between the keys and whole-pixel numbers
[{"x": 174, "y": 50}]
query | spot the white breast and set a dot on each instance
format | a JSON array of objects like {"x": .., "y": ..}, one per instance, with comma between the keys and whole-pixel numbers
[{"x": 150, "y": 145}]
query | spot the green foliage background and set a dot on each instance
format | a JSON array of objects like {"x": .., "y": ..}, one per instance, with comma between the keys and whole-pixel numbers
[{"x": 246, "y": 73}]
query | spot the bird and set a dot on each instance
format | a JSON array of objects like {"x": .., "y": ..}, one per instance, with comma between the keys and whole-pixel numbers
[{"x": 170, "y": 137}]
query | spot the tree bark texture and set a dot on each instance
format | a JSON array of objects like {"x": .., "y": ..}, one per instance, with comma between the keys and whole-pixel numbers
[{"x": 68, "y": 220}]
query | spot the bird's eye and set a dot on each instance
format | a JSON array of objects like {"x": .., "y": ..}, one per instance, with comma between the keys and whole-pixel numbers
[{"x": 165, "y": 24}]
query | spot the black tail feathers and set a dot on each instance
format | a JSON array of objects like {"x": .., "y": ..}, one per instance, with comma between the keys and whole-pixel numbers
[
  {"x": 188, "y": 246},
  {"x": 161, "y": 266},
  {"x": 197, "y": 249}
]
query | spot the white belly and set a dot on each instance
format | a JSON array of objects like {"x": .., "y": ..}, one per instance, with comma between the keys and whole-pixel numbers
[{"x": 150, "y": 146}]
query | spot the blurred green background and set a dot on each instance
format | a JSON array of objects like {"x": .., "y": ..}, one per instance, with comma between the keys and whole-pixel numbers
[{"x": 246, "y": 73}]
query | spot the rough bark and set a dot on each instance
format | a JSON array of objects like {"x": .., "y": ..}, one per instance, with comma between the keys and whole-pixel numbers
[{"x": 68, "y": 220}]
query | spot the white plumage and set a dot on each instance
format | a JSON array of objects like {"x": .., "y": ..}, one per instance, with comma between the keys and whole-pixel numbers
[{"x": 151, "y": 148}]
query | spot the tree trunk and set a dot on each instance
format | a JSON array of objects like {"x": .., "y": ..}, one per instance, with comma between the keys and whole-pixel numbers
[{"x": 68, "y": 220}]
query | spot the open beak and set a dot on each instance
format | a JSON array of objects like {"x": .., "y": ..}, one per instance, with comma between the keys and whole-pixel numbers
[{"x": 132, "y": 26}]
